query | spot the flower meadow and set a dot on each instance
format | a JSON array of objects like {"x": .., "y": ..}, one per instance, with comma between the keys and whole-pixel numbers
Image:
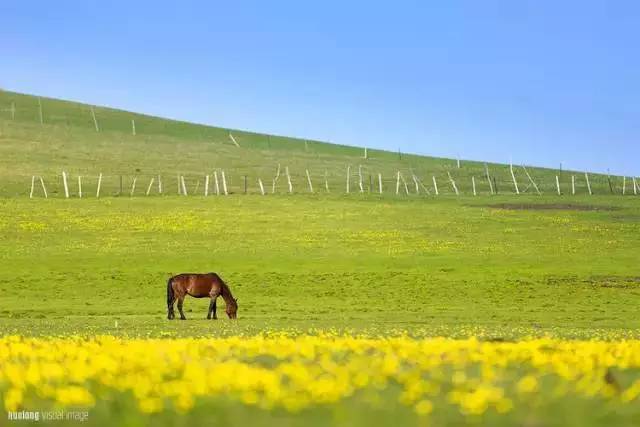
[{"x": 295, "y": 373}]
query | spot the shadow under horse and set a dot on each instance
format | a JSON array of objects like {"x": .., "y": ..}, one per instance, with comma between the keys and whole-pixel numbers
[{"x": 208, "y": 285}]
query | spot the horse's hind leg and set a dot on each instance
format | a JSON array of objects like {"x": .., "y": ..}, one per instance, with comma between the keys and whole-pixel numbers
[
  {"x": 180, "y": 301},
  {"x": 170, "y": 313}
]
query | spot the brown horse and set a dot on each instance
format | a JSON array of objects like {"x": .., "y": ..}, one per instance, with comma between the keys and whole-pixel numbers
[{"x": 199, "y": 286}]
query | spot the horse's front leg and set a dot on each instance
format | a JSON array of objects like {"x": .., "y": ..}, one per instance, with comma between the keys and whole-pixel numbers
[
  {"x": 180, "y": 301},
  {"x": 212, "y": 307}
]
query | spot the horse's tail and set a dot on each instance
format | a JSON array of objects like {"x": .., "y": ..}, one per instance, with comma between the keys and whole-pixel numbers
[{"x": 170, "y": 292}]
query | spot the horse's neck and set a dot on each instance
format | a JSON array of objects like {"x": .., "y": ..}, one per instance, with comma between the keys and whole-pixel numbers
[{"x": 226, "y": 294}]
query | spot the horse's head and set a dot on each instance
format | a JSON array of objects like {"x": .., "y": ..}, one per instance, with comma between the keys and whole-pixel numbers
[{"x": 232, "y": 309}]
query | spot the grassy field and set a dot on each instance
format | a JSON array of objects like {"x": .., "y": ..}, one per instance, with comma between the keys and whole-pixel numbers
[
  {"x": 494, "y": 310},
  {"x": 67, "y": 140}
]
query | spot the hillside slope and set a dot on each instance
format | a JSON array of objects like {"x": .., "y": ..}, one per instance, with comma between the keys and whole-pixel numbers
[{"x": 43, "y": 137}]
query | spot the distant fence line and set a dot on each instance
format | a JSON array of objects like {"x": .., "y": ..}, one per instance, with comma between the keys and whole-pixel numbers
[{"x": 221, "y": 182}]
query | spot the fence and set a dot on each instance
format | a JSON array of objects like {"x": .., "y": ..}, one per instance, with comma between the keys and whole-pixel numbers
[{"x": 354, "y": 181}]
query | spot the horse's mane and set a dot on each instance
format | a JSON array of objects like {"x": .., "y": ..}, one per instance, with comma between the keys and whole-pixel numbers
[{"x": 226, "y": 292}]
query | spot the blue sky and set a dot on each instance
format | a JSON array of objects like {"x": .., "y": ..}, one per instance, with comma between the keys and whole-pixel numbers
[{"x": 541, "y": 82}]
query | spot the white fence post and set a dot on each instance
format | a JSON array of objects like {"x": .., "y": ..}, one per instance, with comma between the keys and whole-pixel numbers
[
  {"x": 40, "y": 110},
  {"x": 326, "y": 181},
  {"x": 486, "y": 169},
  {"x": 79, "y": 187},
  {"x": 184, "y": 186},
  {"x": 99, "y": 185},
  {"x": 573, "y": 185},
  {"x": 33, "y": 183},
  {"x": 586, "y": 175},
  {"x": 215, "y": 180},
  {"x": 380, "y": 183},
  {"x": 406, "y": 189},
  {"x": 233, "y": 140},
  {"x": 261, "y": 186},
  {"x": 224, "y": 184},
  {"x": 513, "y": 176},
  {"x": 415, "y": 181},
  {"x": 360, "y": 179},
  {"x": 159, "y": 184},
  {"x": 44, "y": 189},
  {"x": 398, "y": 183},
  {"x": 289, "y": 179},
  {"x": 206, "y": 185},
  {"x": 133, "y": 127},
  {"x": 133, "y": 186},
  {"x": 635, "y": 187},
  {"x": 309, "y": 180},
  {"x": 558, "y": 185},
  {"x": 348, "y": 177},
  {"x": 95, "y": 121},
  {"x": 435, "y": 184},
  {"x": 64, "y": 181},
  {"x": 473, "y": 183},
  {"x": 453, "y": 184},
  {"x": 150, "y": 185},
  {"x": 531, "y": 180},
  {"x": 624, "y": 185}
]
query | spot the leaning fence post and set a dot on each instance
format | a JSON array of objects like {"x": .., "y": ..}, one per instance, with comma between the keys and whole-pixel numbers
[
  {"x": 635, "y": 187},
  {"x": 261, "y": 186},
  {"x": 99, "y": 185},
  {"x": 360, "y": 178},
  {"x": 406, "y": 189},
  {"x": 453, "y": 184},
  {"x": 586, "y": 175},
  {"x": 486, "y": 169},
  {"x": 573, "y": 185},
  {"x": 159, "y": 184},
  {"x": 206, "y": 185},
  {"x": 95, "y": 121},
  {"x": 215, "y": 178},
  {"x": 398, "y": 183},
  {"x": 33, "y": 183},
  {"x": 44, "y": 189},
  {"x": 184, "y": 186},
  {"x": 133, "y": 186},
  {"x": 558, "y": 185},
  {"x": 473, "y": 183},
  {"x": 149, "y": 187},
  {"x": 435, "y": 184},
  {"x": 224, "y": 184},
  {"x": 309, "y": 180},
  {"x": 64, "y": 181},
  {"x": 513, "y": 176},
  {"x": 79, "y": 187},
  {"x": 289, "y": 179},
  {"x": 531, "y": 180},
  {"x": 415, "y": 181},
  {"x": 326, "y": 181}
]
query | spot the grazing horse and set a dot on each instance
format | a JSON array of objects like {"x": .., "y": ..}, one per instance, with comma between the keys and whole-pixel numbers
[{"x": 199, "y": 286}]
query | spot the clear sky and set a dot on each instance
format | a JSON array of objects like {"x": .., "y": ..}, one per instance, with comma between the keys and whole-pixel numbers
[{"x": 541, "y": 82}]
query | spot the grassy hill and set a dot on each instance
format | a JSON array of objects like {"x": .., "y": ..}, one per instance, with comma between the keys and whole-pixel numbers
[{"x": 43, "y": 137}]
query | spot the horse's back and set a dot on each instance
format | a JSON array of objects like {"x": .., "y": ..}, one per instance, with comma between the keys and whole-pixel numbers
[{"x": 196, "y": 284}]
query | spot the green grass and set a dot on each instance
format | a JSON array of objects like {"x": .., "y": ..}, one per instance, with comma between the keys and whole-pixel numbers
[
  {"x": 358, "y": 263},
  {"x": 368, "y": 263},
  {"x": 67, "y": 140}
]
